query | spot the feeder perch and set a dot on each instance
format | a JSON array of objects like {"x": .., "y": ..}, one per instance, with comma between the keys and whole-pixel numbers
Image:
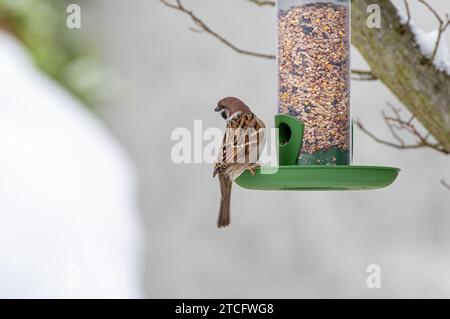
[{"x": 314, "y": 127}]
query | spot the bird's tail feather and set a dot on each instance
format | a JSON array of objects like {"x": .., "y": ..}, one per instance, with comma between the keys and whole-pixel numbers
[{"x": 224, "y": 212}]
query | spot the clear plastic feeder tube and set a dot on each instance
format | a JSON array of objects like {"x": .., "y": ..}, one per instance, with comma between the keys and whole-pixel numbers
[{"x": 314, "y": 76}]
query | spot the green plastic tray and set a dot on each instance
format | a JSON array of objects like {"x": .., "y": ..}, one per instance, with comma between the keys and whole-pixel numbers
[{"x": 320, "y": 177}]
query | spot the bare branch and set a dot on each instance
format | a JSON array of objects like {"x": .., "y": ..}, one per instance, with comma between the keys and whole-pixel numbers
[
  {"x": 395, "y": 123},
  {"x": 432, "y": 10},
  {"x": 445, "y": 184},
  {"x": 205, "y": 28},
  {"x": 262, "y": 3},
  {"x": 391, "y": 129},
  {"x": 408, "y": 12},
  {"x": 422, "y": 88},
  {"x": 360, "y": 75},
  {"x": 381, "y": 141},
  {"x": 442, "y": 27}
]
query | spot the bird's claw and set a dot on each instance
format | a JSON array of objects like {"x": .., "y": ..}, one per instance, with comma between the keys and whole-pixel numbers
[{"x": 253, "y": 168}]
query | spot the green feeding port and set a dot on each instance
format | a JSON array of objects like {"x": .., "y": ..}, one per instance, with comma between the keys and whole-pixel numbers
[{"x": 314, "y": 126}]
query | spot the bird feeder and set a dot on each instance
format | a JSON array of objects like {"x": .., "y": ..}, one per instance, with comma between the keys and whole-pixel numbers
[{"x": 315, "y": 131}]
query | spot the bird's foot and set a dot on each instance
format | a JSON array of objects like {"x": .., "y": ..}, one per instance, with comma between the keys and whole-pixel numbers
[{"x": 252, "y": 169}]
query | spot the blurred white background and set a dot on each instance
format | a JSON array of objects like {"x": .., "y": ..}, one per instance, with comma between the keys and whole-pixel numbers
[
  {"x": 68, "y": 213},
  {"x": 280, "y": 244}
]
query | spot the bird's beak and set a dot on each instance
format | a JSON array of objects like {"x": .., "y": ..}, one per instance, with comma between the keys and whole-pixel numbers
[{"x": 217, "y": 109}]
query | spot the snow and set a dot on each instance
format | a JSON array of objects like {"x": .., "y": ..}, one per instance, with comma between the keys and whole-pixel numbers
[
  {"x": 427, "y": 41},
  {"x": 69, "y": 223}
]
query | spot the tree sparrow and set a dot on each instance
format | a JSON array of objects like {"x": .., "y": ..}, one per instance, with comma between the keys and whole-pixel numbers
[{"x": 242, "y": 145}]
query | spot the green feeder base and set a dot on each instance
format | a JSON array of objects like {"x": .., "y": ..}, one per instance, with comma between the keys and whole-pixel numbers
[
  {"x": 320, "y": 177},
  {"x": 294, "y": 174}
]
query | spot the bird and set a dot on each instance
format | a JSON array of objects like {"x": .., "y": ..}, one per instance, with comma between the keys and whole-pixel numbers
[{"x": 242, "y": 145}]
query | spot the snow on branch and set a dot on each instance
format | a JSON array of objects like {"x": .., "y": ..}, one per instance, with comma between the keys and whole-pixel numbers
[
  {"x": 431, "y": 43},
  {"x": 442, "y": 27}
]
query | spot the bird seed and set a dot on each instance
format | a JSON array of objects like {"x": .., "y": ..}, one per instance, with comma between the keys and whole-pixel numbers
[{"x": 314, "y": 73}]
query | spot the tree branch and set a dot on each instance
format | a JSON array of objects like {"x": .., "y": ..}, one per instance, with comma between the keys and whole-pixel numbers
[
  {"x": 205, "y": 28},
  {"x": 394, "y": 56},
  {"x": 408, "y": 12},
  {"x": 445, "y": 184},
  {"x": 397, "y": 124},
  {"x": 262, "y": 3},
  {"x": 360, "y": 75},
  {"x": 442, "y": 27},
  {"x": 384, "y": 142}
]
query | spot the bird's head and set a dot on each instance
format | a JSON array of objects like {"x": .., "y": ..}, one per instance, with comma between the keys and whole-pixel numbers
[{"x": 229, "y": 106}]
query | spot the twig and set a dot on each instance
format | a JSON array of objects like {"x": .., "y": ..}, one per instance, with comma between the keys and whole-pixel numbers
[
  {"x": 445, "y": 184},
  {"x": 262, "y": 3},
  {"x": 442, "y": 27},
  {"x": 392, "y": 130},
  {"x": 360, "y": 75},
  {"x": 381, "y": 141},
  {"x": 396, "y": 123},
  {"x": 431, "y": 10},
  {"x": 205, "y": 28},
  {"x": 408, "y": 11}
]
